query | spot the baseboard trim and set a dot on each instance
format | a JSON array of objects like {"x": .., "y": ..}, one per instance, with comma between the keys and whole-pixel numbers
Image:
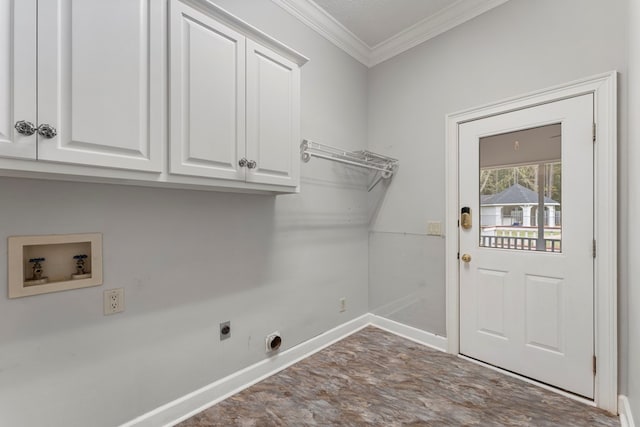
[
  {"x": 195, "y": 402},
  {"x": 624, "y": 409},
  {"x": 414, "y": 334},
  {"x": 192, "y": 403}
]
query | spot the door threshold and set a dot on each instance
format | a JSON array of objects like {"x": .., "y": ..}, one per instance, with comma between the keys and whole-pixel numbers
[{"x": 556, "y": 390}]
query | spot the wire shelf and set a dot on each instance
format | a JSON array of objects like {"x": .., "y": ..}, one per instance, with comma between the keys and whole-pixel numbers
[{"x": 384, "y": 166}]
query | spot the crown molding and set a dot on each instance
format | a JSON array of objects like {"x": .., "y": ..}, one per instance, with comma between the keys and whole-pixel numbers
[
  {"x": 312, "y": 15},
  {"x": 457, "y": 13}
]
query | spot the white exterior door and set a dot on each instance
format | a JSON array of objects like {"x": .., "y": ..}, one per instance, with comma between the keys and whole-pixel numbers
[
  {"x": 208, "y": 96},
  {"x": 17, "y": 77},
  {"x": 100, "y": 82},
  {"x": 273, "y": 94},
  {"x": 526, "y": 292}
]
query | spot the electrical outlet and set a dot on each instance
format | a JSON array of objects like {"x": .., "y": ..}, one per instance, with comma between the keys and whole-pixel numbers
[
  {"x": 225, "y": 330},
  {"x": 113, "y": 301},
  {"x": 343, "y": 304},
  {"x": 434, "y": 228}
]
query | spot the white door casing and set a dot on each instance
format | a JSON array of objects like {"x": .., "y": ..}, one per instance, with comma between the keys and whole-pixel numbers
[
  {"x": 526, "y": 311},
  {"x": 603, "y": 87},
  {"x": 100, "y": 82}
]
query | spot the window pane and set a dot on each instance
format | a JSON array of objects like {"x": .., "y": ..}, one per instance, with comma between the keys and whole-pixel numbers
[{"x": 520, "y": 190}]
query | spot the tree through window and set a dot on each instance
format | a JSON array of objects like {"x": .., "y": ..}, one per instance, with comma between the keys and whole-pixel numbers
[{"x": 521, "y": 190}]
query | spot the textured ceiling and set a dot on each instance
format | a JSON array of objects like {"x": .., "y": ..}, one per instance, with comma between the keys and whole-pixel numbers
[
  {"x": 374, "y": 21},
  {"x": 529, "y": 146}
]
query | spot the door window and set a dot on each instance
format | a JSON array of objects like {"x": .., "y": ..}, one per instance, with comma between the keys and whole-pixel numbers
[{"x": 521, "y": 190}]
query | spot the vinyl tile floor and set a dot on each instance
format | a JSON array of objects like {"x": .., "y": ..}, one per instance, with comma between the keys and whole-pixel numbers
[{"x": 375, "y": 378}]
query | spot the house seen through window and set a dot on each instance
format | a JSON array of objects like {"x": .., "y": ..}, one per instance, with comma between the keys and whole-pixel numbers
[{"x": 521, "y": 190}]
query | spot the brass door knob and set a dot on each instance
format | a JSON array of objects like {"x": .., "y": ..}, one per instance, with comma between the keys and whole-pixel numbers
[{"x": 466, "y": 258}]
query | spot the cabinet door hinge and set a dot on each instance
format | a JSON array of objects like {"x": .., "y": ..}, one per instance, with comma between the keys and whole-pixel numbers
[
  {"x": 594, "y": 248},
  {"x": 594, "y": 365},
  {"x": 594, "y": 132}
]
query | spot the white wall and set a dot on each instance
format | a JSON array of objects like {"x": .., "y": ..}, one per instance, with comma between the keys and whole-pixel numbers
[
  {"x": 633, "y": 301},
  {"x": 189, "y": 260},
  {"x": 513, "y": 49}
]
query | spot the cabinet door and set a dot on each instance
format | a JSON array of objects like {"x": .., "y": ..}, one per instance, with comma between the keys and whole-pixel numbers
[
  {"x": 273, "y": 110},
  {"x": 17, "y": 76},
  {"x": 101, "y": 82},
  {"x": 207, "y": 96}
]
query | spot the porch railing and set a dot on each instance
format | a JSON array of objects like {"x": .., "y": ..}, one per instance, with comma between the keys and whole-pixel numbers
[{"x": 521, "y": 243}]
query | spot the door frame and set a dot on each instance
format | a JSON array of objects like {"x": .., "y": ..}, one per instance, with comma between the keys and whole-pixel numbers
[{"x": 604, "y": 89}]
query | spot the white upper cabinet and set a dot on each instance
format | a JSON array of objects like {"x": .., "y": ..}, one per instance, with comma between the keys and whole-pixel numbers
[
  {"x": 100, "y": 82},
  {"x": 175, "y": 93},
  {"x": 76, "y": 90},
  {"x": 207, "y": 96},
  {"x": 273, "y": 116},
  {"x": 17, "y": 77},
  {"x": 235, "y": 107}
]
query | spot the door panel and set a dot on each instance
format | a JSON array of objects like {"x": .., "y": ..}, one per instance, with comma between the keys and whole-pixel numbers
[
  {"x": 208, "y": 93},
  {"x": 273, "y": 84},
  {"x": 17, "y": 76},
  {"x": 99, "y": 82},
  {"x": 544, "y": 321},
  {"x": 526, "y": 295},
  {"x": 491, "y": 299}
]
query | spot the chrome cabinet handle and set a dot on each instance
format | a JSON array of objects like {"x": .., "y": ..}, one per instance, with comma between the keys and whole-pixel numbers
[
  {"x": 47, "y": 131},
  {"x": 243, "y": 162},
  {"x": 251, "y": 164},
  {"x": 25, "y": 128}
]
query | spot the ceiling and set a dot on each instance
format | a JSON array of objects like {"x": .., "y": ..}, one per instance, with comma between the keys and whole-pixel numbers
[
  {"x": 523, "y": 147},
  {"x": 373, "y": 31},
  {"x": 374, "y": 21}
]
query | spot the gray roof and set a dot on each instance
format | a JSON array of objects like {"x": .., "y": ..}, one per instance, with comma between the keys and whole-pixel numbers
[{"x": 514, "y": 195}]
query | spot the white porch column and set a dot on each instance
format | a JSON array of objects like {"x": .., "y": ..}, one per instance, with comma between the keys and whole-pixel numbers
[
  {"x": 526, "y": 215},
  {"x": 552, "y": 216},
  {"x": 497, "y": 215}
]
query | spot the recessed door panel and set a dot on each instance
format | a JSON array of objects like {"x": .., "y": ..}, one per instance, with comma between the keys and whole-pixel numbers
[
  {"x": 272, "y": 120},
  {"x": 17, "y": 77},
  {"x": 491, "y": 299},
  {"x": 207, "y": 88},
  {"x": 211, "y": 101},
  {"x": 100, "y": 82},
  {"x": 544, "y": 314}
]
